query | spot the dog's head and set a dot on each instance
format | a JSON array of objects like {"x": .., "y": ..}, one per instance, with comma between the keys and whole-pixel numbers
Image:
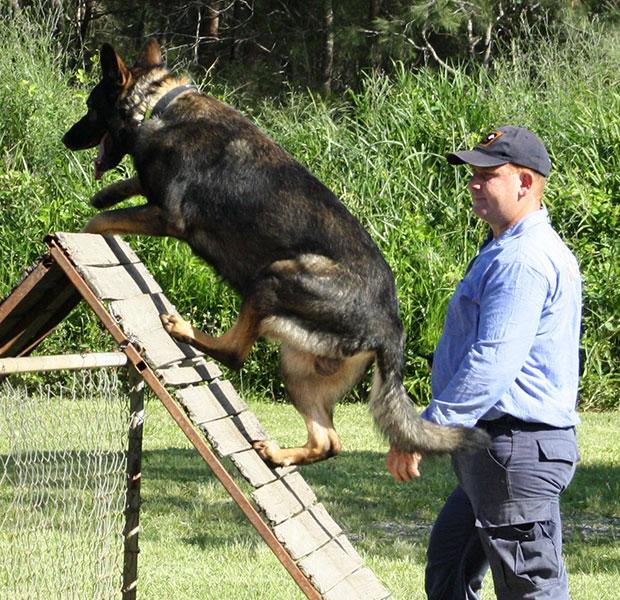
[{"x": 109, "y": 112}]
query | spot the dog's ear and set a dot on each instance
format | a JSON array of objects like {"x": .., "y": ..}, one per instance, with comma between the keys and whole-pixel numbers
[
  {"x": 112, "y": 66},
  {"x": 150, "y": 55}
]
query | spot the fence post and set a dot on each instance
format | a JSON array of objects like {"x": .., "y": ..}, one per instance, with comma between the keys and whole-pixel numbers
[{"x": 132, "y": 498}]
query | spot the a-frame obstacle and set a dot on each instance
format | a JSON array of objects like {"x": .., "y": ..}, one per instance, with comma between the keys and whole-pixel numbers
[{"x": 109, "y": 277}]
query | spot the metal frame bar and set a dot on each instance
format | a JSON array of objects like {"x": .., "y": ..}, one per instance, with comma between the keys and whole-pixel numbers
[{"x": 184, "y": 423}]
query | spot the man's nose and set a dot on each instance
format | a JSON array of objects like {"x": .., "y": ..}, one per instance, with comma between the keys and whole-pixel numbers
[{"x": 475, "y": 183}]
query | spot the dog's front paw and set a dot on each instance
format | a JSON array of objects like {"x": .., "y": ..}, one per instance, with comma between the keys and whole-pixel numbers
[
  {"x": 104, "y": 198},
  {"x": 178, "y": 327}
]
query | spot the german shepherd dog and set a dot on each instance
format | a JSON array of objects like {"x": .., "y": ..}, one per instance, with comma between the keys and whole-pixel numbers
[{"x": 308, "y": 274}]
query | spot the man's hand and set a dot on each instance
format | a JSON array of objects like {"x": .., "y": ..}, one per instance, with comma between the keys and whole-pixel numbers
[{"x": 403, "y": 465}]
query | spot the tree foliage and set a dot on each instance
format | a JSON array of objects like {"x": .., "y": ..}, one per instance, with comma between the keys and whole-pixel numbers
[{"x": 321, "y": 44}]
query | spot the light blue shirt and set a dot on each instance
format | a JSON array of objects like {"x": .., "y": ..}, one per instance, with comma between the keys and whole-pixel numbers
[{"x": 510, "y": 341}]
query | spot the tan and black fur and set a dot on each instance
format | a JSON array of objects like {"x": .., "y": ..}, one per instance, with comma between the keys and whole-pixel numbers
[{"x": 308, "y": 274}]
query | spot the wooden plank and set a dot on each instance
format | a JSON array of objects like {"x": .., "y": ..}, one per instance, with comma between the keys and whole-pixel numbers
[
  {"x": 96, "y": 250},
  {"x": 253, "y": 468},
  {"x": 28, "y": 331},
  {"x": 189, "y": 372},
  {"x": 224, "y": 436},
  {"x": 28, "y": 291},
  {"x": 360, "y": 585},
  {"x": 256, "y": 470},
  {"x": 208, "y": 402},
  {"x": 325, "y": 520},
  {"x": 120, "y": 282},
  {"x": 134, "y": 479},
  {"x": 227, "y": 396},
  {"x": 284, "y": 498},
  {"x": 201, "y": 405},
  {"x": 249, "y": 426},
  {"x": 73, "y": 362},
  {"x": 139, "y": 319},
  {"x": 159, "y": 349},
  {"x": 303, "y": 533},
  {"x": 329, "y": 565},
  {"x": 141, "y": 314}
]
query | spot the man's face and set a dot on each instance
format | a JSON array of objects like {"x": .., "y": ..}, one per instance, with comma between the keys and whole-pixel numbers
[{"x": 496, "y": 195}]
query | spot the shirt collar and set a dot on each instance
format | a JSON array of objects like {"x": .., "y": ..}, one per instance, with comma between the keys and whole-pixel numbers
[{"x": 530, "y": 220}]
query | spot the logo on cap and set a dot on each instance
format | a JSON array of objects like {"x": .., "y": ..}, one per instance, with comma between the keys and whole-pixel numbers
[{"x": 491, "y": 138}]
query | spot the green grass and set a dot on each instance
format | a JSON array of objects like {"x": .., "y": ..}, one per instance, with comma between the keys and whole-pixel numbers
[
  {"x": 195, "y": 543},
  {"x": 380, "y": 148}
]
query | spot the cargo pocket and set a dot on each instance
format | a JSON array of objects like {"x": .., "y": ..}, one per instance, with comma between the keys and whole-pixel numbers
[
  {"x": 558, "y": 458},
  {"x": 529, "y": 559},
  {"x": 557, "y": 450}
]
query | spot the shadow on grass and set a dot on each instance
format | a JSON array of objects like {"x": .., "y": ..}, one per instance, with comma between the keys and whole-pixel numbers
[{"x": 374, "y": 511}]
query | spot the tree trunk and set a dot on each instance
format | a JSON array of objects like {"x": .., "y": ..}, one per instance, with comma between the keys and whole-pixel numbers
[
  {"x": 328, "y": 48},
  {"x": 374, "y": 53},
  {"x": 213, "y": 12}
]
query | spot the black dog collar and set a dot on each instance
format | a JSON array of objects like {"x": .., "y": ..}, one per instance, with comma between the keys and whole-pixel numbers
[{"x": 166, "y": 99}]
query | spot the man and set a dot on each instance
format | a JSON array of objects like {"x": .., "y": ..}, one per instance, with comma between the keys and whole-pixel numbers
[{"x": 507, "y": 362}]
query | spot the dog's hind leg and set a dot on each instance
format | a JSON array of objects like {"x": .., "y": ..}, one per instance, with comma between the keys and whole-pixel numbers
[
  {"x": 232, "y": 348},
  {"x": 314, "y": 384}
]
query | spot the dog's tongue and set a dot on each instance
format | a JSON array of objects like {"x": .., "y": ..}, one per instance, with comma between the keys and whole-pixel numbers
[{"x": 101, "y": 160}]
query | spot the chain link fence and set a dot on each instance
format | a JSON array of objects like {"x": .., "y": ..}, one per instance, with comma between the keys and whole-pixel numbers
[{"x": 63, "y": 457}]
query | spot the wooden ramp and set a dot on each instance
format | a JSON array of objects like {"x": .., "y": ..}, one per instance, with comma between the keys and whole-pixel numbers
[{"x": 108, "y": 275}]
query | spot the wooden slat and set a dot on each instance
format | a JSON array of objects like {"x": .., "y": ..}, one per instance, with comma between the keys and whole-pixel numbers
[
  {"x": 72, "y": 362},
  {"x": 28, "y": 331},
  {"x": 305, "y": 533},
  {"x": 284, "y": 498},
  {"x": 34, "y": 307},
  {"x": 139, "y": 319},
  {"x": 142, "y": 313},
  {"x": 361, "y": 584},
  {"x": 189, "y": 372},
  {"x": 28, "y": 292},
  {"x": 215, "y": 401},
  {"x": 120, "y": 282},
  {"x": 320, "y": 514},
  {"x": 86, "y": 249},
  {"x": 159, "y": 349},
  {"x": 249, "y": 426},
  {"x": 253, "y": 468},
  {"x": 227, "y": 396},
  {"x": 201, "y": 405},
  {"x": 330, "y": 564},
  {"x": 225, "y": 437}
]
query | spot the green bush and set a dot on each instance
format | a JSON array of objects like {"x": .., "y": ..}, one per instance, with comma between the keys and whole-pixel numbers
[{"x": 381, "y": 150}]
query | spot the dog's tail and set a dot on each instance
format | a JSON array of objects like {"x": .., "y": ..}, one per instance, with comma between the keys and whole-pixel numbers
[{"x": 398, "y": 420}]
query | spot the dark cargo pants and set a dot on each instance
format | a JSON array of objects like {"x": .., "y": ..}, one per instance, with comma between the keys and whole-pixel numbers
[{"x": 505, "y": 514}]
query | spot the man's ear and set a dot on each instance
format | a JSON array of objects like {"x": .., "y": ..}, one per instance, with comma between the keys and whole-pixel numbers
[
  {"x": 527, "y": 181},
  {"x": 150, "y": 55},
  {"x": 112, "y": 66}
]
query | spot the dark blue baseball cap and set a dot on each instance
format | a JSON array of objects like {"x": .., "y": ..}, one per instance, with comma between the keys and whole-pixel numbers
[{"x": 507, "y": 144}]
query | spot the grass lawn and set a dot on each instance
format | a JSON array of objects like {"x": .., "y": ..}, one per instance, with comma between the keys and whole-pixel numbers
[{"x": 195, "y": 543}]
